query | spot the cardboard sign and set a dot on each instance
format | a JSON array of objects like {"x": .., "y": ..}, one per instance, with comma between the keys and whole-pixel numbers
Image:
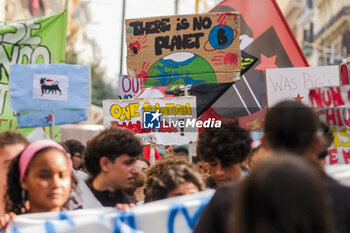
[
  {"x": 332, "y": 106},
  {"x": 184, "y": 49},
  {"x": 294, "y": 83},
  {"x": 173, "y": 215},
  {"x": 168, "y": 121}
]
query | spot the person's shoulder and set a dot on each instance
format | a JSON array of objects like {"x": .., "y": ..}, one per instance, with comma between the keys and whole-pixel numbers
[
  {"x": 82, "y": 175},
  {"x": 229, "y": 188},
  {"x": 339, "y": 189}
]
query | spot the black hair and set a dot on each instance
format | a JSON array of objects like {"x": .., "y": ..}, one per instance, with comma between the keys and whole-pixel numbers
[
  {"x": 329, "y": 138},
  {"x": 291, "y": 126},
  {"x": 180, "y": 151},
  {"x": 74, "y": 146},
  {"x": 230, "y": 144},
  {"x": 110, "y": 143},
  {"x": 279, "y": 197}
]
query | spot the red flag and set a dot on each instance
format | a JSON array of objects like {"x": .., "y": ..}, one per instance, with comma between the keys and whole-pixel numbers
[
  {"x": 260, "y": 16},
  {"x": 35, "y": 5},
  {"x": 345, "y": 74},
  {"x": 147, "y": 153},
  {"x": 266, "y": 35}
]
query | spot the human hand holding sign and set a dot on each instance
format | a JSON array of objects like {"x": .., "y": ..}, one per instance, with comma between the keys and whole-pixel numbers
[{"x": 5, "y": 220}]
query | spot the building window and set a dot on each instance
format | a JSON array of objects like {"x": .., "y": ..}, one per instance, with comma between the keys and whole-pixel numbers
[{"x": 346, "y": 44}]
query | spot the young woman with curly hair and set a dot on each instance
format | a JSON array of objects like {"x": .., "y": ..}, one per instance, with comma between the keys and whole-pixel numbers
[{"x": 39, "y": 180}]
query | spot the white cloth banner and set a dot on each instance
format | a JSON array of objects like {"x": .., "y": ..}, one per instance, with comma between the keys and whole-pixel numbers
[{"x": 173, "y": 215}]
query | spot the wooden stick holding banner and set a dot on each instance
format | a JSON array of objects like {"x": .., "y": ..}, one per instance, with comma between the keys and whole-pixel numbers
[
  {"x": 187, "y": 87},
  {"x": 191, "y": 150},
  {"x": 52, "y": 127},
  {"x": 152, "y": 156}
]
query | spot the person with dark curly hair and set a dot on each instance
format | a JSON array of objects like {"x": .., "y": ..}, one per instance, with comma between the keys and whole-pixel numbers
[
  {"x": 224, "y": 149},
  {"x": 76, "y": 150},
  {"x": 39, "y": 179},
  {"x": 172, "y": 176},
  {"x": 110, "y": 158},
  {"x": 11, "y": 144},
  {"x": 290, "y": 129}
]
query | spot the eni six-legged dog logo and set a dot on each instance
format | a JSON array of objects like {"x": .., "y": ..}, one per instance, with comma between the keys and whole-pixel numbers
[{"x": 50, "y": 87}]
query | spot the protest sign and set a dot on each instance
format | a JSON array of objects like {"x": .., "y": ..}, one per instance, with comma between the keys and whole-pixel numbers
[
  {"x": 265, "y": 34},
  {"x": 295, "y": 83},
  {"x": 128, "y": 87},
  {"x": 184, "y": 49},
  {"x": 49, "y": 87},
  {"x": 167, "y": 121},
  {"x": 30, "y": 41},
  {"x": 173, "y": 215},
  {"x": 332, "y": 106},
  {"x": 60, "y": 91},
  {"x": 49, "y": 118}
]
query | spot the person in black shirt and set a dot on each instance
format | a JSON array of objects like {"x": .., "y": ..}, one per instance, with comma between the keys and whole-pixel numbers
[
  {"x": 290, "y": 128},
  {"x": 110, "y": 158},
  {"x": 279, "y": 196}
]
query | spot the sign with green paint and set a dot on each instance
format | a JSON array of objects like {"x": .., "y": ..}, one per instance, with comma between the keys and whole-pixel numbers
[
  {"x": 184, "y": 49},
  {"x": 32, "y": 41}
]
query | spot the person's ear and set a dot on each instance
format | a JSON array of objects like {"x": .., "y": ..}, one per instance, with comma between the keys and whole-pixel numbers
[{"x": 105, "y": 164}]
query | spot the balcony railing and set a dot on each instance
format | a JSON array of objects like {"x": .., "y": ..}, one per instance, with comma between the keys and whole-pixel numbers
[{"x": 342, "y": 12}]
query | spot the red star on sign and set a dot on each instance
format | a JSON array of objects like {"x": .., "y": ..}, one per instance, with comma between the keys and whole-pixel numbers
[
  {"x": 267, "y": 62},
  {"x": 298, "y": 98},
  {"x": 48, "y": 118}
]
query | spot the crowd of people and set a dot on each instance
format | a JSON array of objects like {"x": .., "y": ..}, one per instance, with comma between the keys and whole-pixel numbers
[{"x": 278, "y": 187}]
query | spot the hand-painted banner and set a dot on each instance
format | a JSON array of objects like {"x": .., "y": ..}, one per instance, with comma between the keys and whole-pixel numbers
[
  {"x": 49, "y": 87},
  {"x": 295, "y": 83},
  {"x": 173, "y": 215},
  {"x": 206, "y": 94},
  {"x": 167, "y": 121},
  {"x": 184, "y": 49},
  {"x": 46, "y": 118},
  {"x": 265, "y": 34},
  {"x": 248, "y": 61},
  {"x": 332, "y": 106},
  {"x": 128, "y": 87},
  {"x": 31, "y": 41}
]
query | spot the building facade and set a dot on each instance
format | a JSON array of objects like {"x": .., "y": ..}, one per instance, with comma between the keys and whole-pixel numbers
[{"x": 322, "y": 28}]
